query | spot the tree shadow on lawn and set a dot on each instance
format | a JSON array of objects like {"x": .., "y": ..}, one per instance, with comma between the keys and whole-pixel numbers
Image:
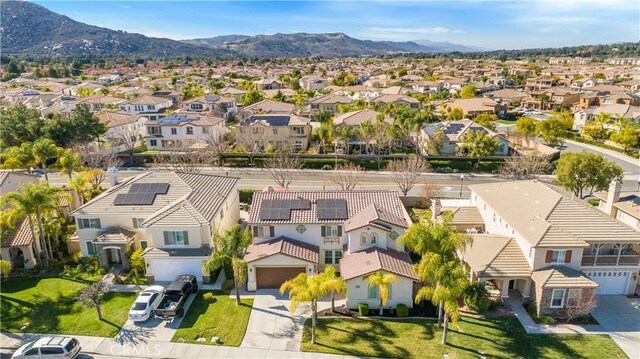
[
  {"x": 377, "y": 335},
  {"x": 19, "y": 284}
]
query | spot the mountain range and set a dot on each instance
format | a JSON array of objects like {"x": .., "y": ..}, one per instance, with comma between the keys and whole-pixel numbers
[{"x": 31, "y": 29}]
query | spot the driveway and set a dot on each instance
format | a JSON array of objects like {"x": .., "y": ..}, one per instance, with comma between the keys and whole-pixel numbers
[
  {"x": 620, "y": 317},
  {"x": 155, "y": 330}
]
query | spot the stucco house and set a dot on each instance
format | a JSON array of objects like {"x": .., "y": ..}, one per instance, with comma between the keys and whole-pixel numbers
[
  {"x": 121, "y": 125},
  {"x": 454, "y": 132},
  {"x": 172, "y": 216},
  {"x": 354, "y": 231},
  {"x": 549, "y": 248},
  {"x": 220, "y": 106},
  {"x": 275, "y": 130},
  {"x": 151, "y": 107},
  {"x": 623, "y": 206},
  {"x": 184, "y": 130}
]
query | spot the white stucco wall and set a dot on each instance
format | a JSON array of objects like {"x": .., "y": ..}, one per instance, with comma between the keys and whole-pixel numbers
[{"x": 358, "y": 293}]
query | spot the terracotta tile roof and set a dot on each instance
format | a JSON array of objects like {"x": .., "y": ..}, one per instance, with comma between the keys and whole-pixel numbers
[
  {"x": 20, "y": 236},
  {"x": 374, "y": 259},
  {"x": 283, "y": 245},
  {"x": 387, "y": 202},
  {"x": 561, "y": 277},
  {"x": 371, "y": 215}
]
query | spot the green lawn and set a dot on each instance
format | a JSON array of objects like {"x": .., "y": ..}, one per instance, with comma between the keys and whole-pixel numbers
[
  {"x": 220, "y": 317},
  {"x": 493, "y": 338},
  {"x": 48, "y": 305}
]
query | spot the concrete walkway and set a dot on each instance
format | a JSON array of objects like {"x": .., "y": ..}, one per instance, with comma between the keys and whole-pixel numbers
[
  {"x": 155, "y": 349},
  {"x": 533, "y": 328}
]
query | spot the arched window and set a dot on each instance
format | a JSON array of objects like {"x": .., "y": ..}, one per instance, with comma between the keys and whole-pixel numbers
[
  {"x": 363, "y": 238},
  {"x": 374, "y": 238}
]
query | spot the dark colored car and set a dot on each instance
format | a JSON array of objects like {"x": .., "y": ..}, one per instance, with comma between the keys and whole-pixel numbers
[{"x": 175, "y": 295}]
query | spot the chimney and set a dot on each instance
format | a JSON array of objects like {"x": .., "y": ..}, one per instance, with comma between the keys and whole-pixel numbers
[
  {"x": 112, "y": 175},
  {"x": 436, "y": 209},
  {"x": 612, "y": 197}
]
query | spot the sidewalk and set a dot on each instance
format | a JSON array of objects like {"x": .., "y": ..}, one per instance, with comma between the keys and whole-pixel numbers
[{"x": 154, "y": 349}]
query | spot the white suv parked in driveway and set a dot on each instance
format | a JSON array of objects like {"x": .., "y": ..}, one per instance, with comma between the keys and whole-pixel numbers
[
  {"x": 147, "y": 301},
  {"x": 49, "y": 347}
]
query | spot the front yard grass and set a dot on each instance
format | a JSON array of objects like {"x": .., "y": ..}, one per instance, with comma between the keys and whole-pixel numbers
[
  {"x": 48, "y": 305},
  {"x": 219, "y": 317},
  {"x": 415, "y": 338}
]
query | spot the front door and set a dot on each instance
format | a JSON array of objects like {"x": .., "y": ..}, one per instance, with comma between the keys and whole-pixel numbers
[{"x": 512, "y": 284}]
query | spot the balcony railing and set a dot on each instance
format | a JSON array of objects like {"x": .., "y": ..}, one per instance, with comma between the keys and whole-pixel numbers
[{"x": 608, "y": 260}]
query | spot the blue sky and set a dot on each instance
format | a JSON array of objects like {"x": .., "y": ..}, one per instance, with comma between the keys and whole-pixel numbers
[{"x": 492, "y": 24}]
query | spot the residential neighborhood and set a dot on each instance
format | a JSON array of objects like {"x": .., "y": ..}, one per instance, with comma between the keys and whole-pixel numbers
[{"x": 315, "y": 195}]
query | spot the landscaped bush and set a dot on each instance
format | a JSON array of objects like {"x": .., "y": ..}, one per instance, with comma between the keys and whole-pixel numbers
[
  {"x": 593, "y": 201},
  {"x": 246, "y": 194},
  {"x": 208, "y": 297},
  {"x": 545, "y": 319},
  {"x": 532, "y": 310},
  {"x": 228, "y": 271},
  {"x": 476, "y": 297},
  {"x": 402, "y": 310},
  {"x": 228, "y": 284},
  {"x": 363, "y": 309},
  {"x": 326, "y": 168},
  {"x": 88, "y": 266}
]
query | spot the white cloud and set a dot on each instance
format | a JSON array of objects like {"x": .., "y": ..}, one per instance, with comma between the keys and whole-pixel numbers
[{"x": 437, "y": 30}]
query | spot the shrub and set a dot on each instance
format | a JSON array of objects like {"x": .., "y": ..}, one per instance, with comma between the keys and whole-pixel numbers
[
  {"x": 593, "y": 201},
  {"x": 363, "y": 309},
  {"x": 476, "y": 297},
  {"x": 246, "y": 194},
  {"x": 326, "y": 168},
  {"x": 5, "y": 267},
  {"x": 228, "y": 271},
  {"x": 208, "y": 297},
  {"x": 545, "y": 319},
  {"x": 402, "y": 310},
  {"x": 228, "y": 284}
]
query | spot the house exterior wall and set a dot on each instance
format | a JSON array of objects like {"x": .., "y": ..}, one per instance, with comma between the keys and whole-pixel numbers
[
  {"x": 358, "y": 293},
  {"x": 200, "y": 134},
  {"x": 277, "y": 136},
  {"x": 539, "y": 258},
  {"x": 543, "y": 301}
]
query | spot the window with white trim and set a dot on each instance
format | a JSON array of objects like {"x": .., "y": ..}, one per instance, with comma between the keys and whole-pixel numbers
[
  {"x": 137, "y": 222},
  {"x": 558, "y": 256},
  {"x": 363, "y": 239},
  {"x": 374, "y": 238},
  {"x": 91, "y": 249},
  {"x": 85, "y": 223},
  {"x": 373, "y": 292},
  {"x": 263, "y": 231},
  {"x": 328, "y": 257},
  {"x": 557, "y": 298},
  {"x": 175, "y": 237},
  {"x": 332, "y": 231}
]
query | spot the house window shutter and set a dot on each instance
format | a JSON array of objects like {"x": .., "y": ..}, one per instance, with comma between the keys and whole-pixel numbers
[
  {"x": 186, "y": 237},
  {"x": 80, "y": 223},
  {"x": 166, "y": 238},
  {"x": 339, "y": 231},
  {"x": 549, "y": 257},
  {"x": 255, "y": 231},
  {"x": 323, "y": 231},
  {"x": 272, "y": 232},
  {"x": 567, "y": 256},
  {"x": 98, "y": 220}
]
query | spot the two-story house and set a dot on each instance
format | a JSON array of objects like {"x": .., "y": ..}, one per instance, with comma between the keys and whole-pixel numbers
[
  {"x": 150, "y": 107},
  {"x": 183, "y": 130},
  {"x": 328, "y": 103},
  {"x": 355, "y": 231},
  {"x": 548, "y": 247},
  {"x": 122, "y": 128},
  {"x": 453, "y": 133},
  {"x": 398, "y": 100},
  {"x": 221, "y": 106},
  {"x": 472, "y": 107},
  {"x": 265, "y": 107},
  {"x": 172, "y": 216},
  {"x": 623, "y": 206},
  {"x": 275, "y": 130},
  {"x": 313, "y": 83}
]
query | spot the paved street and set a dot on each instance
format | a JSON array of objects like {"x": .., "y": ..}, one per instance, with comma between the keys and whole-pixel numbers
[{"x": 630, "y": 165}]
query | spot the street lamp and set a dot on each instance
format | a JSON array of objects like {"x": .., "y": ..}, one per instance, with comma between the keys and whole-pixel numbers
[{"x": 461, "y": 182}]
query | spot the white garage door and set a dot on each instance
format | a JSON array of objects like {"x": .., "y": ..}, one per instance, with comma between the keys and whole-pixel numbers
[
  {"x": 611, "y": 283},
  {"x": 166, "y": 270}
]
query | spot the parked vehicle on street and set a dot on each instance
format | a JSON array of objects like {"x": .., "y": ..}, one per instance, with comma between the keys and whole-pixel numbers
[
  {"x": 174, "y": 297},
  {"x": 145, "y": 304},
  {"x": 49, "y": 347}
]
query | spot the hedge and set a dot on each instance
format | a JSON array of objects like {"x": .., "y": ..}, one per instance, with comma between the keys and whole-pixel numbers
[
  {"x": 246, "y": 194},
  {"x": 363, "y": 309},
  {"x": 633, "y": 153},
  {"x": 402, "y": 310}
]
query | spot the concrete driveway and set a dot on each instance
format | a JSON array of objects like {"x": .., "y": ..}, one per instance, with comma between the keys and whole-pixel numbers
[
  {"x": 155, "y": 330},
  {"x": 620, "y": 317}
]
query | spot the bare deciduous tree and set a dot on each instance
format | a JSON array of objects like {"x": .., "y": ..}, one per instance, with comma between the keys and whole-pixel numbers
[
  {"x": 283, "y": 167},
  {"x": 217, "y": 144},
  {"x": 93, "y": 156},
  {"x": 406, "y": 171},
  {"x": 184, "y": 160},
  {"x": 432, "y": 190},
  {"x": 581, "y": 307},
  {"x": 346, "y": 177},
  {"x": 127, "y": 136},
  {"x": 525, "y": 166},
  {"x": 92, "y": 295}
]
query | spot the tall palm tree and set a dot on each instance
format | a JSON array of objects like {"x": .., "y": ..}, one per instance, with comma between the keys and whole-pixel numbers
[
  {"x": 442, "y": 242},
  {"x": 35, "y": 200},
  {"x": 229, "y": 249},
  {"x": 306, "y": 288},
  {"x": 452, "y": 283},
  {"x": 344, "y": 134},
  {"x": 324, "y": 133},
  {"x": 43, "y": 150},
  {"x": 53, "y": 230},
  {"x": 334, "y": 284},
  {"x": 79, "y": 185},
  {"x": 383, "y": 282},
  {"x": 543, "y": 99},
  {"x": 68, "y": 161},
  {"x": 366, "y": 133},
  {"x": 22, "y": 156}
]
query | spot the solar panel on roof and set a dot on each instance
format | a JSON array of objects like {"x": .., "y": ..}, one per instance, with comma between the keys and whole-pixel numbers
[
  {"x": 141, "y": 194},
  {"x": 335, "y": 208}
]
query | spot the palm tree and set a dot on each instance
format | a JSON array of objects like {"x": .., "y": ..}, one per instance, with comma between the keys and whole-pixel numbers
[
  {"x": 366, "y": 133},
  {"x": 79, "y": 185},
  {"x": 442, "y": 242},
  {"x": 324, "y": 133},
  {"x": 452, "y": 283},
  {"x": 383, "y": 282},
  {"x": 35, "y": 200},
  {"x": 543, "y": 99},
  {"x": 344, "y": 134},
  {"x": 53, "y": 230},
  {"x": 44, "y": 149},
  {"x": 21, "y": 157},
  {"x": 229, "y": 249},
  {"x": 334, "y": 284},
  {"x": 306, "y": 288},
  {"x": 68, "y": 161}
]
